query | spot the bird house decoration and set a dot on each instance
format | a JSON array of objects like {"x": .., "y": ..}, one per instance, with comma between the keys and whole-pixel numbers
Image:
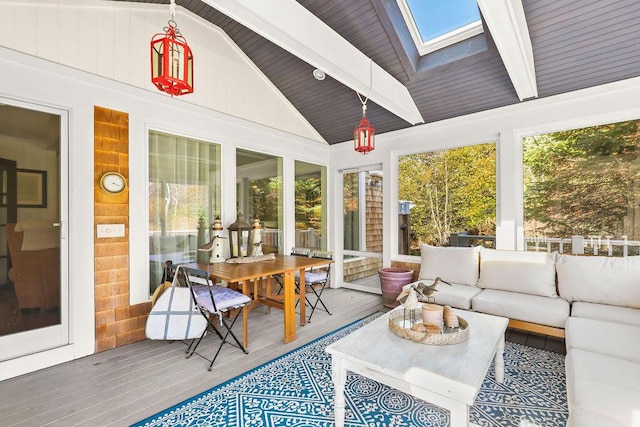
[
  {"x": 239, "y": 233},
  {"x": 171, "y": 60},
  {"x": 256, "y": 238},
  {"x": 215, "y": 245}
]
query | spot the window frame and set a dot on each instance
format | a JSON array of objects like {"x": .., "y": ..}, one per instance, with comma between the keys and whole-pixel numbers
[
  {"x": 324, "y": 216},
  {"x": 436, "y": 145},
  {"x": 440, "y": 42}
]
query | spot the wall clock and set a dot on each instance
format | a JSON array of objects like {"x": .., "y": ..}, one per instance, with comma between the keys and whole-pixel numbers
[{"x": 113, "y": 183}]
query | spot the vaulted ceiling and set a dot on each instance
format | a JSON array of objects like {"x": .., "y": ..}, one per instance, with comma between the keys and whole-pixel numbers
[{"x": 575, "y": 44}]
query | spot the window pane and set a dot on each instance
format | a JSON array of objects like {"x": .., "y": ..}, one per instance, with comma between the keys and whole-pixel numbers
[
  {"x": 351, "y": 212},
  {"x": 581, "y": 190},
  {"x": 447, "y": 198},
  {"x": 311, "y": 213},
  {"x": 363, "y": 228},
  {"x": 259, "y": 195},
  {"x": 184, "y": 199},
  {"x": 435, "y": 18}
]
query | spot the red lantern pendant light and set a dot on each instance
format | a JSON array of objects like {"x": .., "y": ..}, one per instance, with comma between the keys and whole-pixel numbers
[
  {"x": 171, "y": 60},
  {"x": 364, "y": 135}
]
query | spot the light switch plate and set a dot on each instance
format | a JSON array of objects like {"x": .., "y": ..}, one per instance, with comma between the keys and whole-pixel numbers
[{"x": 110, "y": 230}]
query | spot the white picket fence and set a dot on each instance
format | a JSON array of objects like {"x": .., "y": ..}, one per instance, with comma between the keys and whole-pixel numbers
[
  {"x": 303, "y": 238},
  {"x": 594, "y": 245}
]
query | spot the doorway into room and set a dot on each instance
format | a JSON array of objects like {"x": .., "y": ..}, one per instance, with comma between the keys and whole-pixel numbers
[
  {"x": 33, "y": 296},
  {"x": 362, "y": 228}
]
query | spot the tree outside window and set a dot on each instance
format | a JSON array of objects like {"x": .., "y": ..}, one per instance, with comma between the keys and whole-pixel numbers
[
  {"x": 583, "y": 182},
  {"x": 450, "y": 192}
]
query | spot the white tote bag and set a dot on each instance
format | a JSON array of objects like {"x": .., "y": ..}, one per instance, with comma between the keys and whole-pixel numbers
[{"x": 174, "y": 316}]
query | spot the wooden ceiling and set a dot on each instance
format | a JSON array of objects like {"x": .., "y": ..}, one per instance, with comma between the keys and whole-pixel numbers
[{"x": 576, "y": 44}]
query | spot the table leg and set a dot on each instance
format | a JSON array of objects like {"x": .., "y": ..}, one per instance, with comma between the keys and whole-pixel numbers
[
  {"x": 459, "y": 415},
  {"x": 499, "y": 361},
  {"x": 303, "y": 299},
  {"x": 267, "y": 292},
  {"x": 245, "y": 329},
  {"x": 245, "y": 311},
  {"x": 289, "y": 306},
  {"x": 339, "y": 376}
]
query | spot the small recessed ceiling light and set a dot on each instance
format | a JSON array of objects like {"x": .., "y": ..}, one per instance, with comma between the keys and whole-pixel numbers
[{"x": 318, "y": 74}]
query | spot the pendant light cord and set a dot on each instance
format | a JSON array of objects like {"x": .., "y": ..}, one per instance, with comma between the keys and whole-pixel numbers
[
  {"x": 364, "y": 102},
  {"x": 172, "y": 9}
]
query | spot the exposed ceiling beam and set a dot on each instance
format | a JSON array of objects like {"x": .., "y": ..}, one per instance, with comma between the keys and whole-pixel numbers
[
  {"x": 508, "y": 27},
  {"x": 292, "y": 27}
]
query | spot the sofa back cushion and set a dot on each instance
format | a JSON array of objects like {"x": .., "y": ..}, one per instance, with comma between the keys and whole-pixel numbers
[
  {"x": 454, "y": 265},
  {"x": 600, "y": 279},
  {"x": 531, "y": 273}
]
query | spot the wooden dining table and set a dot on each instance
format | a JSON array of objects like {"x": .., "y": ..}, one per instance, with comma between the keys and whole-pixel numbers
[{"x": 245, "y": 276}]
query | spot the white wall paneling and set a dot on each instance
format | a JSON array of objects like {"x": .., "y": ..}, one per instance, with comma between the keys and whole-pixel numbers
[{"x": 111, "y": 39}]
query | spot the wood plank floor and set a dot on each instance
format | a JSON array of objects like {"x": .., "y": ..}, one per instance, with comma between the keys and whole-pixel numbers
[{"x": 124, "y": 385}]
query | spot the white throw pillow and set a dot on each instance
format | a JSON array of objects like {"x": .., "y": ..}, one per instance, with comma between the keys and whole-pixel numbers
[
  {"x": 531, "y": 273},
  {"x": 455, "y": 265},
  {"x": 600, "y": 279}
]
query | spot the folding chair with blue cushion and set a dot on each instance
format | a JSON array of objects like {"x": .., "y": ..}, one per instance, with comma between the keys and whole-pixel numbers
[
  {"x": 220, "y": 305},
  {"x": 316, "y": 280}
]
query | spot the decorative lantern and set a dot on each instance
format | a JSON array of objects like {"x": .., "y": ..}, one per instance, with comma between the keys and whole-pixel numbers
[
  {"x": 171, "y": 60},
  {"x": 364, "y": 134},
  {"x": 256, "y": 238},
  {"x": 239, "y": 237}
]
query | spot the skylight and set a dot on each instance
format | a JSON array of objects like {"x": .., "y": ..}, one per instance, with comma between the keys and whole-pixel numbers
[{"x": 435, "y": 24}]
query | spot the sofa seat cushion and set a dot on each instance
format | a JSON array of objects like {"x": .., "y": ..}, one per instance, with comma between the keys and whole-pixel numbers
[
  {"x": 455, "y": 265},
  {"x": 607, "y": 338},
  {"x": 528, "y": 308},
  {"x": 625, "y": 315},
  {"x": 603, "y": 385},
  {"x": 457, "y": 296},
  {"x": 600, "y": 279},
  {"x": 531, "y": 273},
  {"x": 584, "y": 418}
]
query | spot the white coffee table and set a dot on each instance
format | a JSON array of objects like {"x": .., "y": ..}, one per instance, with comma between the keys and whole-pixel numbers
[{"x": 449, "y": 376}]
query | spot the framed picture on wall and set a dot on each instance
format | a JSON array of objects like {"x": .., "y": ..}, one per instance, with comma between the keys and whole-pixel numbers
[{"x": 32, "y": 188}]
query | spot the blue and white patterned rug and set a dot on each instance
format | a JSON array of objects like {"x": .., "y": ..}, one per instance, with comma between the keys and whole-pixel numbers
[{"x": 296, "y": 390}]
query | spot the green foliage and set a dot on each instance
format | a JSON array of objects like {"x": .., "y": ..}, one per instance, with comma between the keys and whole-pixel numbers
[
  {"x": 350, "y": 213},
  {"x": 308, "y": 203},
  {"x": 581, "y": 181},
  {"x": 452, "y": 190},
  {"x": 264, "y": 199}
]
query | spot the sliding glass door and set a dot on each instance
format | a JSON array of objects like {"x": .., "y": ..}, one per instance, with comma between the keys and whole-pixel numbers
[
  {"x": 362, "y": 226},
  {"x": 33, "y": 250}
]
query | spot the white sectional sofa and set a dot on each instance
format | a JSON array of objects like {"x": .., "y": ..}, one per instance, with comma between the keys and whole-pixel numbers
[
  {"x": 602, "y": 339},
  {"x": 592, "y": 301},
  {"x": 517, "y": 285}
]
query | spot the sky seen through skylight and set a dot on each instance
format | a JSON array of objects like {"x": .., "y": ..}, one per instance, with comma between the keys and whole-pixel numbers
[{"x": 435, "y": 18}]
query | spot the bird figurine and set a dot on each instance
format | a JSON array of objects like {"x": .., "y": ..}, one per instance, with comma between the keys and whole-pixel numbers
[
  {"x": 209, "y": 246},
  {"x": 424, "y": 292},
  {"x": 413, "y": 295},
  {"x": 410, "y": 304}
]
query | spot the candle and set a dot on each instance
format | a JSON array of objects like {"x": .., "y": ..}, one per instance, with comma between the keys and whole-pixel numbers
[{"x": 432, "y": 314}]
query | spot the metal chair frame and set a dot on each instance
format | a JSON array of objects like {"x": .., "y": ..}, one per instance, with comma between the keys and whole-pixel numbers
[
  {"x": 313, "y": 284},
  {"x": 226, "y": 312}
]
